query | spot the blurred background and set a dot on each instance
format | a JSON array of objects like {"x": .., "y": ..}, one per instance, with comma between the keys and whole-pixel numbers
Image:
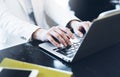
[{"x": 90, "y": 9}]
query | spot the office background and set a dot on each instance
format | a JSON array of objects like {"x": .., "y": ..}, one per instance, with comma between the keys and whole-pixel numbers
[{"x": 90, "y": 9}]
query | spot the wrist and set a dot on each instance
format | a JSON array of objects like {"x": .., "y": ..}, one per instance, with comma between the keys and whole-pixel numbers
[
  {"x": 40, "y": 34},
  {"x": 35, "y": 34}
]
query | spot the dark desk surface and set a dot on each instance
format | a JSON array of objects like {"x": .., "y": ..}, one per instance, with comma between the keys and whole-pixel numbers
[{"x": 103, "y": 64}]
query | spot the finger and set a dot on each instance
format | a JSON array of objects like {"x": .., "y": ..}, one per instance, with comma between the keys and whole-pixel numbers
[
  {"x": 68, "y": 32},
  {"x": 50, "y": 38},
  {"x": 83, "y": 28},
  {"x": 58, "y": 37},
  {"x": 63, "y": 35},
  {"x": 79, "y": 32}
]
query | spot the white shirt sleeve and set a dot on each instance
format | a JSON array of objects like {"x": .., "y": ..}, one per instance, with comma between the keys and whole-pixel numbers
[
  {"x": 59, "y": 11},
  {"x": 13, "y": 25}
]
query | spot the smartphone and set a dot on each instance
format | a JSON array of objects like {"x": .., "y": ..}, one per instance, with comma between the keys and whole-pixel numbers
[{"x": 17, "y": 72}]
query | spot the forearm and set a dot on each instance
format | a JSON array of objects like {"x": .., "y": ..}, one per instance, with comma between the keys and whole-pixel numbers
[
  {"x": 13, "y": 25},
  {"x": 59, "y": 13}
]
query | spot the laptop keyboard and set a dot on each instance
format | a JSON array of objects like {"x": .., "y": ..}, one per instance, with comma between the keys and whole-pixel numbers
[{"x": 69, "y": 51}]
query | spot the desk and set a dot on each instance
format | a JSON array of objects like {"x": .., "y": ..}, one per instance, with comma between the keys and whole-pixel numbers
[{"x": 102, "y": 64}]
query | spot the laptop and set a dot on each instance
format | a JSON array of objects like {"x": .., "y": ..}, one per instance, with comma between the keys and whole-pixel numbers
[{"x": 104, "y": 32}]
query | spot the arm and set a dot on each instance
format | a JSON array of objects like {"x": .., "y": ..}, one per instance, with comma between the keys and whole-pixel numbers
[
  {"x": 59, "y": 11},
  {"x": 13, "y": 25},
  {"x": 17, "y": 27}
]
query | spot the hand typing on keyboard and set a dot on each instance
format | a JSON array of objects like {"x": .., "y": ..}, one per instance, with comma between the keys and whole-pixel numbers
[
  {"x": 61, "y": 34},
  {"x": 80, "y": 27},
  {"x": 70, "y": 50},
  {"x": 75, "y": 40}
]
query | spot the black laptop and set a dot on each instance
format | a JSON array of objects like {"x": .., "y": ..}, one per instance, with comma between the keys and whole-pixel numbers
[{"x": 104, "y": 32}]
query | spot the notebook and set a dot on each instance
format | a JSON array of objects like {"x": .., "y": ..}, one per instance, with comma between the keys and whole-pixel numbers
[
  {"x": 43, "y": 70},
  {"x": 104, "y": 32}
]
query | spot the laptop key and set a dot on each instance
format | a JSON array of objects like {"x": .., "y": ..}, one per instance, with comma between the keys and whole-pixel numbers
[
  {"x": 62, "y": 51},
  {"x": 69, "y": 50}
]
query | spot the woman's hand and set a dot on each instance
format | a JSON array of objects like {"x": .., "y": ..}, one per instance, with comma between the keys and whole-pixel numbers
[
  {"x": 80, "y": 28},
  {"x": 56, "y": 35}
]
